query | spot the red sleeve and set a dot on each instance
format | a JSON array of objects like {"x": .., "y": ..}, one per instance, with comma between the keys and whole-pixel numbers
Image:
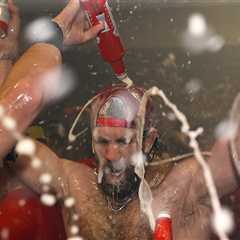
[{"x": 23, "y": 216}]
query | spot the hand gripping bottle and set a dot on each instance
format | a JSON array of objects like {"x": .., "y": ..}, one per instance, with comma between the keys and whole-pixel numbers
[
  {"x": 109, "y": 42},
  {"x": 4, "y": 18},
  {"x": 163, "y": 228}
]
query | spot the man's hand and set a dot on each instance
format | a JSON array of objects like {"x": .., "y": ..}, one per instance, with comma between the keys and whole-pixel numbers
[
  {"x": 74, "y": 24},
  {"x": 9, "y": 45}
]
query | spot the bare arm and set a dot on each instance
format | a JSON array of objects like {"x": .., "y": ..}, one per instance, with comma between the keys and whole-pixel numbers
[
  {"x": 20, "y": 95},
  {"x": 50, "y": 164},
  {"x": 22, "y": 98},
  {"x": 222, "y": 170},
  {"x": 9, "y": 45}
]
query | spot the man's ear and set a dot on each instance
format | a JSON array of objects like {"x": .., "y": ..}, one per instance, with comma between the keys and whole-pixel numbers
[{"x": 149, "y": 140}]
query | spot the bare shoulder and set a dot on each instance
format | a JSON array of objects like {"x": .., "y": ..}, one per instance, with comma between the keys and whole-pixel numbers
[
  {"x": 79, "y": 170},
  {"x": 177, "y": 185},
  {"x": 44, "y": 150}
]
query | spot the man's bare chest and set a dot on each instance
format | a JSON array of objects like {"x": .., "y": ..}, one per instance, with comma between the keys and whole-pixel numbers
[{"x": 97, "y": 220}]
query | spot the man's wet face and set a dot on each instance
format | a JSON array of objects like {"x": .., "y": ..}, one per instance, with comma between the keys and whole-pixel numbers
[{"x": 114, "y": 147}]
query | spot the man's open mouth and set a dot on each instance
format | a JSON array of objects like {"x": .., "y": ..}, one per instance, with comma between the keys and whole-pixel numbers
[{"x": 116, "y": 173}]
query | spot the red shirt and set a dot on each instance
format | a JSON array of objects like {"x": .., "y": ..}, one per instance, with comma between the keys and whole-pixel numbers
[{"x": 24, "y": 217}]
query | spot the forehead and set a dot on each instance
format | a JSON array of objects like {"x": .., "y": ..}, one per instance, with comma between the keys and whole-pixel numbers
[{"x": 113, "y": 132}]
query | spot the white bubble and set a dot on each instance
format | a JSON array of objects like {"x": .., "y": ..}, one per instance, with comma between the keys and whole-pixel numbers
[
  {"x": 36, "y": 163},
  {"x": 69, "y": 147},
  {"x": 48, "y": 199},
  {"x": 215, "y": 43},
  {"x": 75, "y": 238},
  {"x": 138, "y": 159},
  {"x": 75, "y": 217},
  {"x": 69, "y": 202},
  {"x": 226, "y": 130},
  {"x": 223, "y": 221},
  {"x": 9, "y": 123},
  {"x": 26, "y": 146},
  {"x": 40, "y": 30},
  {"x": 22, "y": 202},
  {"x": 193, "y": 86},
  {"x": 93, "y": 73},
  {"x": 4, "y": 233},
  {"x": 57, "y": 83},
  {"x": 171, "y": 116},
  {"x": 74, "y": 229},
  {"x": 197, "y": 25},
  {"x": 45, "y": 178}
]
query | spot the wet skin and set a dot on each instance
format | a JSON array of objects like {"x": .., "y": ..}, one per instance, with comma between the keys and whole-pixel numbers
[{"x": 182, "y": 193}]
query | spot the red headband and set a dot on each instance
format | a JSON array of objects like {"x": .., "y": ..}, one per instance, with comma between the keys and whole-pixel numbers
[
  {"x": 113, "y": 122},
  {"x": 119, "y": 107}
]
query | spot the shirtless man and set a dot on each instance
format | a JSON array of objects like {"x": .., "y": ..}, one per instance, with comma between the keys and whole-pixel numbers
[{"x": 106, "y": 201}]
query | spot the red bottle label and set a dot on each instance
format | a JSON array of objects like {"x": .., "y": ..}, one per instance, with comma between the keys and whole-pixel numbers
[{"x": 109, "y": 42}]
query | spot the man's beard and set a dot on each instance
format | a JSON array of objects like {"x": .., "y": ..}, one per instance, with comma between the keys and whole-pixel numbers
[{"x": 124, "y": 189}]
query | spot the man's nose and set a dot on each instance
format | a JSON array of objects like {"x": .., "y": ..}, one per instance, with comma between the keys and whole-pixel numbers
[{"x": 112, "y": 152}]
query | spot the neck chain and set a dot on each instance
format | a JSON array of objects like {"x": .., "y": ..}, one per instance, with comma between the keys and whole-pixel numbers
[{"x": 116, "y": 206}]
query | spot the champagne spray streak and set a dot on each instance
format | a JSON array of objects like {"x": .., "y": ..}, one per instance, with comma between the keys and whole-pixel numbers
[{"x": 215, "y": 202}]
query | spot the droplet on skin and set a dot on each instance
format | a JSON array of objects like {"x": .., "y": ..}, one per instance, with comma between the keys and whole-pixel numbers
[
  {"x": 74, "y": 229},
  {"x": 26, "y": 146},
  {"x": 75, "y": 217},
  {"x": 9, "y": 123},
  {"x": 48, "y": 199},
  {"x": 36, "y": 163},
  {"x": 45, "y": 178},
  {"x": 69, "y": 202}
]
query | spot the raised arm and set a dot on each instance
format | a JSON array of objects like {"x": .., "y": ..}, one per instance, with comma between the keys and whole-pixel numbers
[
  {"x": 21, "y": 96},
  {"x": 9, "y": 45}
]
